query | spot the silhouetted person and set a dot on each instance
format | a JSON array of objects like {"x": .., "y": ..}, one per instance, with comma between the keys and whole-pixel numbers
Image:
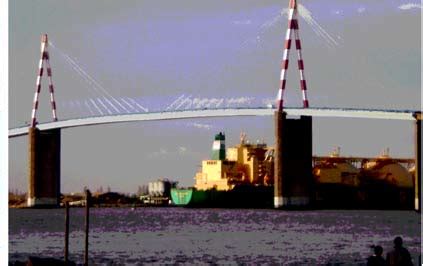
[
  {"x": 376, "y": 259},
  {"x": 399, "y": 255}
]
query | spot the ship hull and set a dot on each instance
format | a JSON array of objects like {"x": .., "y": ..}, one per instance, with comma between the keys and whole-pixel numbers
[
  {"x": 327, "y": 196},
  {"x": 367, "y": 196},
  {"x": 239, "y": 197}
]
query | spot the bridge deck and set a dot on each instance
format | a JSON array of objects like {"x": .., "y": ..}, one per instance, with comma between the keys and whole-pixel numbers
[{"x": 315, "y": 112}]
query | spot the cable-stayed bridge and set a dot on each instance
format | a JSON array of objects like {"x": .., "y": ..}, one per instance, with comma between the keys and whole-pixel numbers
[{"x": 293, "y": 137}]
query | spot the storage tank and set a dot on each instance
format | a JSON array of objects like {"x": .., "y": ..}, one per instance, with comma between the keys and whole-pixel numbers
[
  {"x": 159, "y": 188},
  {"x": 153, "y": 188},
  {"x": 336, "y": 182},
  {"x": 336, "y": 173},
  {"x": 150, "y": 188},
  {"x": 336, "y": 170},
  {"x": 388, "y": 171}
]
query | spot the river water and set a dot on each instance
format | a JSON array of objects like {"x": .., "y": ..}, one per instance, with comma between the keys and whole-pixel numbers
[{"x": 222, "y": 236}]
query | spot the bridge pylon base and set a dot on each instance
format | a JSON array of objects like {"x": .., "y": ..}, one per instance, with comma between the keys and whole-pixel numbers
[
  {"x": 293, "y": 161},
  {"x": 418, "y": 162},
  {"x": 44, "y": 168}
]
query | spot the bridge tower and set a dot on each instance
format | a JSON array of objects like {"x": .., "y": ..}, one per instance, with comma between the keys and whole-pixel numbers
[
  {"x": 44, "y": 146},
  {"x": 293, "y": 149}
]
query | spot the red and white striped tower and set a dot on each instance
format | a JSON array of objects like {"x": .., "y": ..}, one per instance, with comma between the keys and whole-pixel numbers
[
  {"x": 43, "y": 59},
  {"x": 292, "y": 26}
]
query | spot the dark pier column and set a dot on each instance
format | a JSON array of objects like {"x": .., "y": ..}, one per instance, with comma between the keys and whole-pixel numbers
[
  {"x": 44, "y": 168},
  {"x": 418, "y": 161},
  {"x": 293, "y": 161}
]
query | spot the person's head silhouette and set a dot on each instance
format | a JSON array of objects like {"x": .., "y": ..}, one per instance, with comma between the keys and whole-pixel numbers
[
  {"x": 378, "y": 250},
  {"x": 398, "y": 242}
]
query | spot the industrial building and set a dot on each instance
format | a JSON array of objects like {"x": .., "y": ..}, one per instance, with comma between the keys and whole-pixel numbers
[
  {"x": 337, "y": 181},
  {"x": 243, "y": 164}
]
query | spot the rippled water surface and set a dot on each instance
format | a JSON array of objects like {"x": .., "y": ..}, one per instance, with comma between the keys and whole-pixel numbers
[{"x": 178, "y": 235}]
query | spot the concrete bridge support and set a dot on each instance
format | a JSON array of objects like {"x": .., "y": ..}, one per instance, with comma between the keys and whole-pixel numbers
[
  {"x": 418, "y": 162},
  {"x": 44, "y": 168},
  {"x": 293, "y": 161}
]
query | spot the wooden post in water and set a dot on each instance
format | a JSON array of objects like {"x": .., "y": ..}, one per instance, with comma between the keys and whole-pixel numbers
[
  {"x": 66, "y": 232},
  {"x": 87, "y": 223}
]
